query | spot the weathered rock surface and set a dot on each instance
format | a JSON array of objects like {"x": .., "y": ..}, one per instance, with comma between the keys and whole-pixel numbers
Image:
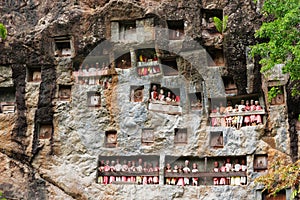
[{"x": 64, "y": 166}]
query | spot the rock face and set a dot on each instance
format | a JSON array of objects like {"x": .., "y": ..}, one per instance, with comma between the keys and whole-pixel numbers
[{"x": 78, "y": 81}]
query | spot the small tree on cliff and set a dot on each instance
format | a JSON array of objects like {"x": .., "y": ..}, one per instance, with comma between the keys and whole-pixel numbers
[
  {"x": 3, "y": 31},
  {"x": 221, "y": 25},
  {"x": 282, "y": 36},
  {"x": 281, "y": 176}
]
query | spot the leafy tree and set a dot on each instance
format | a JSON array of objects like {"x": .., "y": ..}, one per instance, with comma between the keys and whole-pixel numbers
[
  {"x": 3, "y": 31},
  {"x": 282, "y": 36}
]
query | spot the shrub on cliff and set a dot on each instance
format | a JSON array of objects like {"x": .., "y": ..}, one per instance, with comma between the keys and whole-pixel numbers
[
  {"x": 1, "y": 196},
  {"x": 3, "y": 31},
  {"x": 281, "y": 176}
]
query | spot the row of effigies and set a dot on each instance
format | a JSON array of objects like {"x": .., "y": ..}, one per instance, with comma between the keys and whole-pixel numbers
[
  {"x": 163, "y": 97},
  {"x": 171, "y": 177},
  {"x": 104, "y": 82},
  {"x": 93, "y": 75},
  {"x": 228, "y": 174},
  {"x": 128, "y": 172},
  {"x": 148, "y": 70},
  {"x": 248, "y": 114},
  {"x": 147, "y": 65},
  {"x": 93, "y": 70},
  {"x": 227, "y": 166}
]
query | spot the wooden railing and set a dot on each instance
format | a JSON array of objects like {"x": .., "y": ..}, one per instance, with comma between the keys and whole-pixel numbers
[
  {"x": 147, "y": 64},
  {"x": 95, "y": 72},
  {"x": 245, "y": 113},
  {"x": 204, "y": 174},
  {"x": 128, "y": 174},
  {"x": 176, "y": 175}
]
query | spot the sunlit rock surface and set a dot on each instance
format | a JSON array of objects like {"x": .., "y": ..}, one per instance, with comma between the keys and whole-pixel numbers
[{"x": 64, "y": 165}]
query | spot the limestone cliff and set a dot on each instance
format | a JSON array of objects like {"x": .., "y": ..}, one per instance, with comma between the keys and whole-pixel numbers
[{"x": 82, "y": 91}]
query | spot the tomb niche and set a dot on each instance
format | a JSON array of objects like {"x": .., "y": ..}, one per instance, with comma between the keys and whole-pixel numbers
[
  {"x": 123, "y": 61},
  {"x": 184, "y": 170},
  {"x": 94, "y": 99},
  {"x": 111, "y": 138},
  {"x": 96, "y": 67},
  {"x": 96, "y": 70},
  {"x": 165, "y": 100},
  {"x": 63, "y": 46},
  {"x": 278, "y": 99},
  {"x": 260, "y": 163},
  {"x": 189, "y": 170},
  {"x": 45, "y": 131},
  {"x": 124, "y": 30},
  {"x": 136, "y": 93},
  {"x": 237, "y": 111},
  {"x": 147, "y": 136},
  {"x": 178, "y": 170},
  {"x": 217, "y": 107},
  {"x": 64, "y": 92},
  {"x": 127, "y": 30},
  {"x": 147, "y": 62},
  {"x": 211, "y": 36},
  {"x": 134, "y": 169},
  {"x": 226, "y": 170},
  {"x": 7, "y": 100},
  {"x": 176, "y": 29},
  {"x": 169, "y": 66},
  {"x": 230, "y": 86},
  {"x": 207, "y": 18},
  {"x": 180, "y": 136},
  {"x": 216, "y": 139},
  {"x": 281, "y": 195},
  {"x": 216, "y": 57},
  {"x": 195, "y": 101},
  {"x": 34, "y": 74},
  {"x": 275, "y": 83}
]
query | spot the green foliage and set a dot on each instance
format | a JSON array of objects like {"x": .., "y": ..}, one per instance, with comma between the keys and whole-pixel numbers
[
  {"x": 225, "y": 20},
  {"x": 221, "y": 25},
  {"x": 281, "y": 46},
  {"x": 272, "y": 93},
  {"x": 281, "y": 176},
  {"x": 282, "y": 36},
  {"x": 218, "y": 24},
  {"x": 3, "y": 31},
  {"x": 295, "y": 91},
  {"x": 1, "y": 197}
]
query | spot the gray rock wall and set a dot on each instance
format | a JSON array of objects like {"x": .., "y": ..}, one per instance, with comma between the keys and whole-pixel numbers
[{"x": 64, "y": 166}]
